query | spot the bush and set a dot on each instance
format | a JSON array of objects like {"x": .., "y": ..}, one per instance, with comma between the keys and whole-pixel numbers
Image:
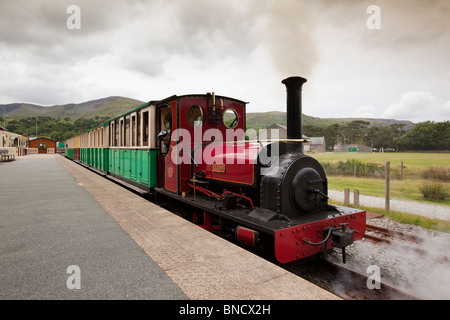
[
  {"x": 434, "y": 191},
  {"x": 437, "y": 173},
  {"x": 352, "y": 167}
]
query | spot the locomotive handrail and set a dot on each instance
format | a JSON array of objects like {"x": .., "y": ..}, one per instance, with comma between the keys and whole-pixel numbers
[
  {"x": 219, "y": 197},
  {"x": 284, "y": 140},
  {"x": 264, "y": 140}
]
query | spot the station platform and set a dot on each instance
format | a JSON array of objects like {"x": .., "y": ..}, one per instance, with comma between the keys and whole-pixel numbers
[{"x": 55, "y": 214}]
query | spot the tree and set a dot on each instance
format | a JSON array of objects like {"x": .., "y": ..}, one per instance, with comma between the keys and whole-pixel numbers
[
  {"x": 56, "y": 135},
  {"x": 398, "y": 131},
  {"x": 379, "y": 137},
  {"x": 353, "y": 132},
  {"x": 331, "y": 135},
  {"x": 427, "y": 135},
  {"x": 15, "y": 126},
  {"x": 313, "y": 131}
]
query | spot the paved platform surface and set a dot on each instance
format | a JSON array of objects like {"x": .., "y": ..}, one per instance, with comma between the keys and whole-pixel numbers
[
  {"x": 190, "y": 262},
  {"x": 48, "y": 223},
  {"x": 414, "y": 207}
]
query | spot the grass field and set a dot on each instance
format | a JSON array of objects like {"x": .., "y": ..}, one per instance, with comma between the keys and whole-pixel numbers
[
  {"x": 407, "y": 188},
  {"x": 414, "y": 160},
  {"x": 415, "y": 164}
]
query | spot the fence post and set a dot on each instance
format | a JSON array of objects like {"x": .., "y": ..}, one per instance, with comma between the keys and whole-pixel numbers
[
  {"x": 346, "y": 197},
  {"x": 356, "y": 198},
  {"x": 401, "y": 172},
  {"x": 387, "y": 174}
]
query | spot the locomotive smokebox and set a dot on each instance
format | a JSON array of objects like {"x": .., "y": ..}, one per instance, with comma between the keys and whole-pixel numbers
[{"x": 294, "y": 111}]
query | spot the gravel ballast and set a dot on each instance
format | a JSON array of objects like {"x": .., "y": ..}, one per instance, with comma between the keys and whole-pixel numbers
[{"x": 423, "y": 273}]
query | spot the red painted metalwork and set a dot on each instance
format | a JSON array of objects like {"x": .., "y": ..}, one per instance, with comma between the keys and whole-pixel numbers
[
  {"x": 171, "y": 168},
  {"x": 207, "y": 221},
  {"x": 290, "y": 242},
  {"x": 215, "y": 195},
  {"x": 76, "y": 154},
  {"x": 236, "y": 159},
  {"x": 246, "y": 236}
]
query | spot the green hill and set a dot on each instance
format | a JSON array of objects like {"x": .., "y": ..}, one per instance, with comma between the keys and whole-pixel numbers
[
  {"x": 102, "y": 108},
  {"x": 111, "y": 106},
  {"x": 261, "y": 120}
]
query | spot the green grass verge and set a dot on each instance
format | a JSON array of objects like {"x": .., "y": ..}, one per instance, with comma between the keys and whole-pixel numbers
[
  {"x": 410, "y": 159},
  {"x": 399, "y": 189}
]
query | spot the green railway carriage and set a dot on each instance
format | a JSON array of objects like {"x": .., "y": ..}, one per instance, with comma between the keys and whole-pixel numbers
[{"x": 124, "y": 147}]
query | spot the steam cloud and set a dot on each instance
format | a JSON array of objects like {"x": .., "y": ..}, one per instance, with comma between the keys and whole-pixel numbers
[{"x": 423, "y": 274}]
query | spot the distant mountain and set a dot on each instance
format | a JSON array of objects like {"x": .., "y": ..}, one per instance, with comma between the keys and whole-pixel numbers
[
  {"x": 260, "y": 120},
  {"x": 105, "y": 107},
  {"x": 111, "y": 106}
]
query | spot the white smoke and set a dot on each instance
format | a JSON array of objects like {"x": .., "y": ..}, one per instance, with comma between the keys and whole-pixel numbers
[{"x": 423, "y": 273}]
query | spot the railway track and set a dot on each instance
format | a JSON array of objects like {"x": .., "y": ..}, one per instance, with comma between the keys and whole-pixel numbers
[
  {"x": 391, "y": 234},
  {"x": 358, "y": 286},
  {"x": 353, "y": 285},
  {"x": 345, "y": 282},
  {"x": 389, "y": 237}
]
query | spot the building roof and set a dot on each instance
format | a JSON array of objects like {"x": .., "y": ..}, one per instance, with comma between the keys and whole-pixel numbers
[
  {"x": 282, "y": 127},
  {"x": 44, "y": 138},
  {"x": 317, "y": 140}
]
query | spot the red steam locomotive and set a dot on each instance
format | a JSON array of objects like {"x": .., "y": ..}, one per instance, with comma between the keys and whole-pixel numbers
[{"x": 264, "y": 193}]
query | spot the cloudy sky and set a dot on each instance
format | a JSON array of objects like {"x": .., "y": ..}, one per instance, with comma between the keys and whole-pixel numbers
[{"x": 152, "y": 49}]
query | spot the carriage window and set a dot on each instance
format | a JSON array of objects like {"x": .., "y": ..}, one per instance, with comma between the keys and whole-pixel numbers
[
  {"x": 145, "y": 128},
  {"x": 116, "y": 136},
  {"x": 133, "y": 130},
  {"x": 230, "y": 118},
  {"x": 121, "y": 130},
  {"x": 168, "y": 121},
  {"x": 127, "y": 131},
  {"x": 111, "y": 134},
  {"x": 166, "y": 118},
  {"x": 138, "y": 129},
  {"x": 195, "y": 116}
]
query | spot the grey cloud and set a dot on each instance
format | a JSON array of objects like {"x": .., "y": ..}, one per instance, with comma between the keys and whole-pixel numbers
[
  {"x": 404, "y": 23},
  {"x": 140, "y": 38},
  {"x": 201, "y": 30}
]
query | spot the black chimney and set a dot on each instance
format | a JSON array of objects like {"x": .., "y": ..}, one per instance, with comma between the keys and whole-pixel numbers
[{"x": 294, "y": 111}]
